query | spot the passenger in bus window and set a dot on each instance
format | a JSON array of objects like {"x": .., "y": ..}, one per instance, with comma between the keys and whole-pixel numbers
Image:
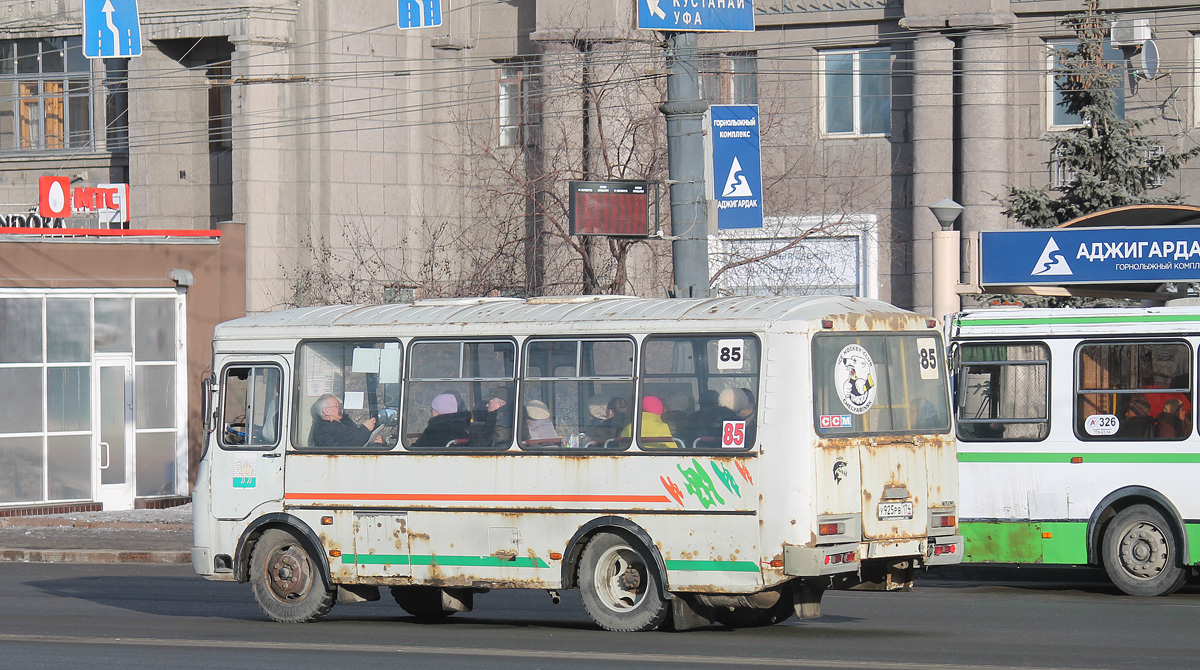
[
  {"x": 923, "y": 414},
  {"x": 655, "y": 432},
  {"x": 538, "y": 422},
  {"x": 497, "y": 425},
  {"x": 1173, "y": 420},
  {"x": 704, "y": 426},
  {"x": 677, "y": 407},
  {"x": 332, "y": 428},
  {"x": 1136, "y": 421},
  {"x": 616, "y": 419},
  {"x": 447, "y": 424},
  {"x": 741, "y": 403}
]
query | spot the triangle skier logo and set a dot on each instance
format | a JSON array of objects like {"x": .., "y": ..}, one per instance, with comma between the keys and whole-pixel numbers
[
  {"x": 1052, "y": 262},
  {"x": 736, "y": 185}
]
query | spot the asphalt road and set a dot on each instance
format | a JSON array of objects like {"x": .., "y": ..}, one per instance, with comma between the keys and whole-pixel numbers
[{"x": 161, "y": 616}]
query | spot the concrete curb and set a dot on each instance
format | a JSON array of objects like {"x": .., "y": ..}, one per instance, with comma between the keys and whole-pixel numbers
[
  {"x": 92, "y": 556},
  {"x": 28, "y": 522}
]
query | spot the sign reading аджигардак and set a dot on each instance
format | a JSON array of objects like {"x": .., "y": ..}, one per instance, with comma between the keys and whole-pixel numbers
[{"x": 1090, "y": 256}]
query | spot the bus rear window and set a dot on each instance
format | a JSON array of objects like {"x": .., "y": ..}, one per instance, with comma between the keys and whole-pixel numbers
[{"x": 874, "y": 383}]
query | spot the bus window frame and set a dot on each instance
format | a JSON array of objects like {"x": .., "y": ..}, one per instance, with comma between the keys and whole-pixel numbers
[
  {"x": 407, "y": 381},
  {"x": 1078, "y": 392},
  {"x": 1047, "y": 361},
  {"x": 222, "y": 404},
  {"x": 943, "y": 377},
  {"x": 751, "y": 446},
  {"x": 298, "y": 365},
  {"x": 563, "y": 447}
]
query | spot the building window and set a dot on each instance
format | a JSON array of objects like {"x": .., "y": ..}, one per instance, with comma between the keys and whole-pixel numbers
[
  {"x": 856, "y": 90},
  {"x": 517, "y": 111},
  {"x": 45, "y": 86},
  {"x": 1060, "y": 118},
  {"x": 220, "y": 107},
  {"x": 730, "y": 78}
]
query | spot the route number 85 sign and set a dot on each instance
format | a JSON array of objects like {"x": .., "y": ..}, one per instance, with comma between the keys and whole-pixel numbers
[
  {"x": 733, "y": 434},
  {"x": 730, "y": 354}
]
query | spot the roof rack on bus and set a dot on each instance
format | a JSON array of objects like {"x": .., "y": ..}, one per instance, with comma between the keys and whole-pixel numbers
[
  {"x": 569, "y": 299},
  {"x": 450, "y": 302}
]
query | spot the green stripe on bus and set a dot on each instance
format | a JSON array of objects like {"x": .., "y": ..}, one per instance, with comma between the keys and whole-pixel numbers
[
  {"x": 713, "y": 566},
  {"x": 1025, "y": 542},
  {"x": 1048, "y": 542},
  {"x": 1088, "y": 457},
  {"x": 446, "y": 561},
  {"x": 1026, "y": 321}
]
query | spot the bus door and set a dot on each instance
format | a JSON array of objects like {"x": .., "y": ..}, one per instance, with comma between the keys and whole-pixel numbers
[{"x": 248, "y": 445}]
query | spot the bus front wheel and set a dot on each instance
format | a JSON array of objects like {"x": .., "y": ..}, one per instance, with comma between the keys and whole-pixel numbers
[
  {"x": 1139, "y": 553},
  {"x": 287, "y": 582},
  {"x": 619, "y": 584}
]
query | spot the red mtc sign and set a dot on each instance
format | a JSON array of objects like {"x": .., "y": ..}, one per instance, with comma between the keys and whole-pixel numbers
[{"x": 57, "y": 200}]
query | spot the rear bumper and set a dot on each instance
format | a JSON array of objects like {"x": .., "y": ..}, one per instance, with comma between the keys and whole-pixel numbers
[
  {"x": 944, "y": 550},
  {"x": 818, "y": 561}
]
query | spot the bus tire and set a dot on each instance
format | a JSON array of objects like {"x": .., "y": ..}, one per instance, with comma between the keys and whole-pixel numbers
[
  {"x": 287, "y": 582},
  {"x": 1140, "y": 553},
  {"x": 620, "y": 585},
  {"x": 422, "y": 602}
]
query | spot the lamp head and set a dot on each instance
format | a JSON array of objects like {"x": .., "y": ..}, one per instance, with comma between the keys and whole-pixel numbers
[{"x": 946, "y": 211}]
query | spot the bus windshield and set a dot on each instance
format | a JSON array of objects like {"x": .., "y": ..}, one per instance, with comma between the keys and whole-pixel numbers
[{"x": 877, "y": 384}]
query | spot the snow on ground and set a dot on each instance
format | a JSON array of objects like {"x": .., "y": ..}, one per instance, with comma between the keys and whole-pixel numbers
[{"x": 180, "y": 514}]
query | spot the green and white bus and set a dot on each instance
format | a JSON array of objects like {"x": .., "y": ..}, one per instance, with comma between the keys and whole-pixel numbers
[
  {"x": 1077, "y": 441},
  {"x": 679, "y": 461}
]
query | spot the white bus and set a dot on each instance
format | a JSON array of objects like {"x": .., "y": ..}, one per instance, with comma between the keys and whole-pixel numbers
[
  {"x": 446, "y": 448},
  {"x": 1077, "y": 443}
]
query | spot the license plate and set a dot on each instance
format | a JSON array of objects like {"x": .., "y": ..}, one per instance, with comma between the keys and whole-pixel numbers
[{"x": 895, "y": 510}]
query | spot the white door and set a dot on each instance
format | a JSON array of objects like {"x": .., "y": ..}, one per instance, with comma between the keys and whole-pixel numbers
[
  {"x": 246, "y": 455},
  {"x": 114, "y": 448}
]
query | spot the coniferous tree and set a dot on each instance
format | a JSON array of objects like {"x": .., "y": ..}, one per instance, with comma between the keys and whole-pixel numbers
[{"x": 1107, "y": 161}]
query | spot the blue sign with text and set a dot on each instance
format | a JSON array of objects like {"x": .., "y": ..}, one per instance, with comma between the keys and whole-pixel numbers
[
  {"x": 111, "y": 29},
  {"x": 736, "y": 166},
  {"x": 1089, "y": 256},
  {"x": 419, "y": 13},
  {"x": 696, "y": 15}
]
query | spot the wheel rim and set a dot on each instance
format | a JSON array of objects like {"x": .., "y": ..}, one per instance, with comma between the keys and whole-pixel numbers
[
  {"x": 621, "y": 579},
  {"x": 1144, "y": 551},
  {"x": 289, "y": 573}
]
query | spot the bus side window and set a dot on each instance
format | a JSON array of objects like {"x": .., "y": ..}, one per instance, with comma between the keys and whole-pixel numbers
[
  {"x": 1136, "y": 391},
  {"x": 250, "y": 406},
  {"x": 585, "y": 401},
  {"x": 1002, "y": 392},
  {"x": 700, "y": 392}
]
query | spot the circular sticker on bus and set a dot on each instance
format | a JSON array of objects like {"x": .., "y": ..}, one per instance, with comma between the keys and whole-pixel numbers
[
  {"x": 1101, "y": 424},
  {"x": 854, "y": 374}
]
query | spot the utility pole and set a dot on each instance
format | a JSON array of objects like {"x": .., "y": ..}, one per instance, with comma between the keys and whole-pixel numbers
[{"x": 684, "y": 110}]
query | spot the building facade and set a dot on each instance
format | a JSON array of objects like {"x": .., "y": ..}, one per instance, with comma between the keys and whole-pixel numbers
[{"x": 368, "y": 162}]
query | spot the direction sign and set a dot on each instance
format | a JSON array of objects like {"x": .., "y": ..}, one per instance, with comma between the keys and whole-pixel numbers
[
  {"x": 111, "y": 29},
  {"x": 696, "y": 15},
  {"x": 1089, "y": 256},
  {"x": 736, "y": 166},
  {"x": 419, "y": 13}
]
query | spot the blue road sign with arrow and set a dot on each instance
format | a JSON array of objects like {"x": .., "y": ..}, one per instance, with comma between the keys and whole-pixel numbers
[
  {"x": 111, "y": 29},
  {"x": 696, "y": 15},
  {"x": 737, "y": 166},
  {"x": 419, "y": 13}
]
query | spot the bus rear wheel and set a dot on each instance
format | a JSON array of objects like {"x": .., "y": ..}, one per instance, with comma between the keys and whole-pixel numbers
[
  {"x": 1139, "y": 553},
  {"x": 287, "y": 582},
  {"x": 620, "y": 585}
]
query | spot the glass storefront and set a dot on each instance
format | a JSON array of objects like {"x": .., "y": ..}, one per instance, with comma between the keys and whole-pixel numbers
[{"x": 92, "y": 402}]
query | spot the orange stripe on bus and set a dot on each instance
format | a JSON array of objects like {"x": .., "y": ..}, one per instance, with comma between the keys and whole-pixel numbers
[{"x": 477, "y": 497}]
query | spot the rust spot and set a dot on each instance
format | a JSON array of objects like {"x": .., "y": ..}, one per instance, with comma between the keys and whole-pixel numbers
[{"x": 419, "y": 536}]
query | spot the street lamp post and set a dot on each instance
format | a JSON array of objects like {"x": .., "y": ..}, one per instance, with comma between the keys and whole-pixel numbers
[{"x": 946, "y": 258}]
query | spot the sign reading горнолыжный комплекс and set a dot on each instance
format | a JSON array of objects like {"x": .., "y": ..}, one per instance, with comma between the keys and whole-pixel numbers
[
  {"x": 736, "y": 166},
  {"x": 1090, "y": 256}
]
